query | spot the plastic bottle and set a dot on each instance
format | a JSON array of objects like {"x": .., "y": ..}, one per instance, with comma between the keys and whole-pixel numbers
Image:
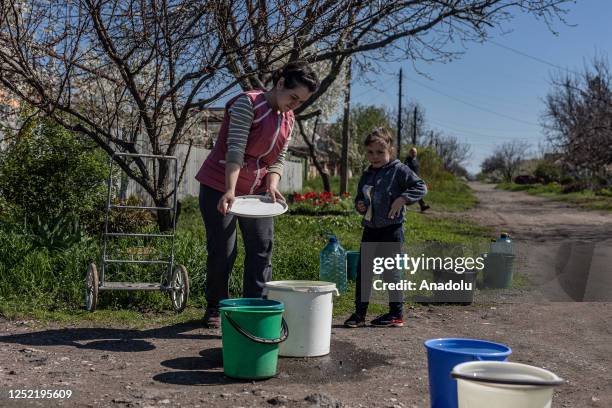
[
  {"x": 332, "y": 264},
  {"x": 503, "y": 245}
]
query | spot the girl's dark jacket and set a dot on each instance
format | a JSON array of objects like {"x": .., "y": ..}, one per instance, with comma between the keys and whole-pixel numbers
[{"x": 387, "y": 183}]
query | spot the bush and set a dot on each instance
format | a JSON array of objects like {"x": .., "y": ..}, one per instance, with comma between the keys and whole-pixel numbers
[
  {"x": 548, "y": 172},
  {"x": 123, "y": 219},
  {"x": 50, "y": 172},
  {"x": 58, "y": 233},
  {"x": 575, "y": 187}
]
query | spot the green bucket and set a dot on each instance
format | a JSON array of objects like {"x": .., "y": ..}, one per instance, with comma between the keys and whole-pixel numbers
[
  {"x": 251, "y": 330},
  {"x": 352, "y": 262}
]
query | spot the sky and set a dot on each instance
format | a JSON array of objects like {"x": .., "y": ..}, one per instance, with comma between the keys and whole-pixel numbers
[{"x": 494, "y": 92}]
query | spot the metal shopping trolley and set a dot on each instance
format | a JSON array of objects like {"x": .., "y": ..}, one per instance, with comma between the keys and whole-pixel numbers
[{"x": 176, "y": 281}]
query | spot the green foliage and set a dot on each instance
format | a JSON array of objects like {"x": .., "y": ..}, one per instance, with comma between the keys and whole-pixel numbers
[
  {"x": 48, "y": 172},
  {"x": 584, "y": 198},
  {"x": 316, "y": 184},
  {"x": 35, "y": 277},
  {"x": 445, "y": 191},
  {"x": 431, "y": 167},
  {"x": 548, "y": 171},
  {"x": 58, "y": 233},
  {"x": 323, "y": 203},
  {"x": 126, "y": 219},
  {"x": 364, "y": 118}
]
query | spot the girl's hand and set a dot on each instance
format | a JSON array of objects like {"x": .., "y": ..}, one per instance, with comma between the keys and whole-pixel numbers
[
  {"x": 396, "y": 207},
  {"x": 361, "y": 207},
  {"x": 225, "y": 202}
]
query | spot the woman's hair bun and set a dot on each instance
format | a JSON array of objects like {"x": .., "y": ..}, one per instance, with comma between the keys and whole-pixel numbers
[{"x": 297, "y": 73}]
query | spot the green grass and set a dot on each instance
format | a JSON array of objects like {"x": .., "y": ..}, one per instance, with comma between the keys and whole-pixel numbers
[
  {"x": 586, "y": 199},
  {"x": 36, "y": 283},
  {"x": 443, "y": 195}
]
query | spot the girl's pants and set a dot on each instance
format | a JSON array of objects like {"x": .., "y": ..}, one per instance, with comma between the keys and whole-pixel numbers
[
  {"x": 391, "y": 233},
  {"x": 257, "y": 234}
]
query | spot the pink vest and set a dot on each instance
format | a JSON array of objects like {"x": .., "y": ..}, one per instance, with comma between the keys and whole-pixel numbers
[{"x": 268, "y": 135}]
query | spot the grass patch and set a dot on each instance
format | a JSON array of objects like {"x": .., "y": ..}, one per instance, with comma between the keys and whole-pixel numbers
[
  {"x": 444, "y": 194},
  {"x": 47, "y": 286},
  {"x": 586, "y": 199}
]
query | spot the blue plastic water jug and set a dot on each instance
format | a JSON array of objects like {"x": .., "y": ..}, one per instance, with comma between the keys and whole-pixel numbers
[{"x": 332, "y": 264}]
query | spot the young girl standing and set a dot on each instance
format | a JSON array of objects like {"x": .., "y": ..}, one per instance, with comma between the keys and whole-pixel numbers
[{"x": 385, "y": 187}]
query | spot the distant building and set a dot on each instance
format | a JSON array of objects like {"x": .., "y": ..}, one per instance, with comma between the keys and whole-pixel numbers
[
  {"x": 328, "y": 151},
  {"x": 204, "y": 133}
]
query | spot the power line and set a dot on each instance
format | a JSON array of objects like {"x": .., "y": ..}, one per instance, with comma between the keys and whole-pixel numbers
[
  {"x": 480, "y": 95},
  {"x": 538, "y": 59},
  {"x": 474, "y": 105},
  {"x": 471, "y": 133}
]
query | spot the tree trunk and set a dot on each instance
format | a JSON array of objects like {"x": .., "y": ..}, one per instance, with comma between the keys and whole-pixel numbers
[
  {"x": 313, "y": 154},
  {"x": 344, "y": 162}
]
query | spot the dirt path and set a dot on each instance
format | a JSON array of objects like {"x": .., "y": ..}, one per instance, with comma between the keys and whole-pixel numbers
[
  {"x": 181, "y": 365},
  {"x": 566, "y": 251}
]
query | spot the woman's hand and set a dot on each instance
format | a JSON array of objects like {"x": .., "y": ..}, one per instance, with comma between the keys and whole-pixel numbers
[
  {"x": 272, "y": 180},
  {"x": 396, "y": 207},
  {"x": 225, "y": 202},
  {"x": 361, "y": 207}
]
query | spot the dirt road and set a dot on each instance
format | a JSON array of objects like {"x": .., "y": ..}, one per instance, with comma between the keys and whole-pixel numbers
[{"x": 181, "y": 365}]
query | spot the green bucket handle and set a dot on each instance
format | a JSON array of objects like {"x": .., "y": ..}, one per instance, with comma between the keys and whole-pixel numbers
[{"x": 283, "y": 336}]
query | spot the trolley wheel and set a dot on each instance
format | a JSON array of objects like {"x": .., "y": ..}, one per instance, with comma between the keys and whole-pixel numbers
[
  {"x": 91, "y": 287},
  {"x": 179, "y": 288}
]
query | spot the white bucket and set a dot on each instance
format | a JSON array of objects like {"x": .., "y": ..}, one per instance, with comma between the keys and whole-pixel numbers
[
  {"x": 308, "y": 313},
  {"x": 486, "y": 384}
]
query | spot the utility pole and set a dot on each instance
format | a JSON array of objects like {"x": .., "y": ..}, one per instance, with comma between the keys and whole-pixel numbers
[
  {"x": 399, "y": 118},
  {"x": 344, "y": 162},
  {"x": 414, "y": 125}
]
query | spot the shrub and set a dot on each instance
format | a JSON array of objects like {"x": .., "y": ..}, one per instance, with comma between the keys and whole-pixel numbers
[
  {"x": 575, "y": 187},
  {"x": 49, "y": 172},
  {"x": 58, "y": 233},
  {"x": 122, "y": 219},
  {"x": 548, "y": 172}
]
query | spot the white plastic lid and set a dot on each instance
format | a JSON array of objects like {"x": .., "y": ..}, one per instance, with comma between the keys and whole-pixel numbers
[
  {"x": 257, "y": 206},
  {"x": 500, "y": 372},
  {"x": 302, "y": 286}
]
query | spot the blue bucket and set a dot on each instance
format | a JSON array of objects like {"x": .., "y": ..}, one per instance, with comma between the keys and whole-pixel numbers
[{"x": 444, "y": 354}]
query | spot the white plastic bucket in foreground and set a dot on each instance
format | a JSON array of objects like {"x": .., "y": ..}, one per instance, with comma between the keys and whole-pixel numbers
[
  {"x": 486, "y": 384},
  {"x": 308, "y": 313}
]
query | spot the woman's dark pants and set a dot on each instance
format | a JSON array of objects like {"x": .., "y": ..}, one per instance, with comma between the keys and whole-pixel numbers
[{"x": 257, "y": 234}]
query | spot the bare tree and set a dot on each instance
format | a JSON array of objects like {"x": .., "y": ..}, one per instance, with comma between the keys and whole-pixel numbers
[
  {"x": 506, "y": 159},
  {"x": 129, "y": 73},
  {"x": 578, "y": 118},
  {"x": 451, "y": 151}
]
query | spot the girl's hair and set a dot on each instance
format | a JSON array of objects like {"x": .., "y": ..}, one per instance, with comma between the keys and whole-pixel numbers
[
  {"x": 297, "y": 73},
  {"x": 382, "y": 135}
]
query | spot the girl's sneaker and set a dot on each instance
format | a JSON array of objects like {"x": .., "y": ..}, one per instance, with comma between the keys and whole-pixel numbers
[
  {"x": 355, "y": 321},
  {"x": 388, "y": 320}
]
